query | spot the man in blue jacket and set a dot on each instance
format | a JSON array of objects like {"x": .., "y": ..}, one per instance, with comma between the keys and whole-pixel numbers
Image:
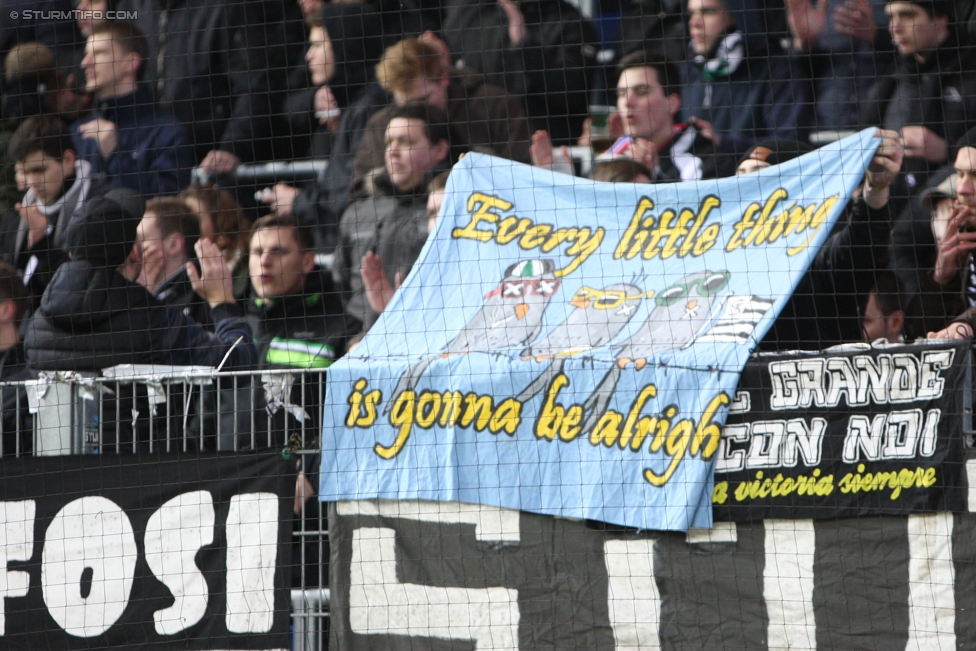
[
  {"x": 128, "y": 137},
  {"x": 736, "y": 89}
]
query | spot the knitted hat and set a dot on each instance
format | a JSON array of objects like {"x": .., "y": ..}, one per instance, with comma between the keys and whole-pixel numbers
[{"x": 933, "y": 7}]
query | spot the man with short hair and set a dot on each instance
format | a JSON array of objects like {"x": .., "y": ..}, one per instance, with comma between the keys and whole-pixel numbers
[
  {"x": 931, "y": 98},
  {"x": 59, "y": 187},
  {"x": 481, "y": 116},
  {"x": 134, "y": 142},
  {"x": 648, "y": 103},
  {"x": 94, "y": 318},
  {"x": 391, "y": 219},
  {"x": 164, "y": 247},
  {"x": 736, "y": 89},
  {"x": 296, "y": 314},
  {"x": 884, "y": 316}
]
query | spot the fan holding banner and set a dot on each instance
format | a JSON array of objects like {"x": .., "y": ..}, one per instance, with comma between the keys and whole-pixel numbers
[{"x": 593, "y": 380}]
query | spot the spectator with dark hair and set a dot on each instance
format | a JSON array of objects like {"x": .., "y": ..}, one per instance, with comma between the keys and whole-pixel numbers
[
  {"x": 345, "y": 55},
  {"x": 59, "y": 188},
  {"x": 736, "y": 89},
  {"x": 135, "y": 143},
  {"x": 344, "y": 44},
  {"x": 884, "y": 316},
  {"x": 648, "y": 103},
  {"x": 209, "y": 66},
  {"x": 951, "y": 287},
  {"x": 931, "y": 97},
  {"x": 91, "y": 317},
  {"x": 165, "y": 241},
  {"x": 482, "y": 116},
  {"x": 622, "y": 170},
  {"x": 539, "y": 50},
  {"x": 223, "y": 222},
  {"x": 390, "y": 219},
  {"x": 17, "y": 422},
  {"x": 376, "y": 284}
]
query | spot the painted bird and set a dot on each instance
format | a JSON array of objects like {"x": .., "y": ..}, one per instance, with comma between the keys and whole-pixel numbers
[
  {"x": 599, "y": 316},
  {"x": 682, "y": 312},
  {"x": 511, "y": 317}
]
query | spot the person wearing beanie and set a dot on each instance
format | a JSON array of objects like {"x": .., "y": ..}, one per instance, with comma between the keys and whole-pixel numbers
[
  {"x": 91, "y": 317},
  {"x": 931, "y": 97},
  {"x": 736, "y": 89},
  {"x": 827, "y": 306},
  {"x": 59, "y": 187}
]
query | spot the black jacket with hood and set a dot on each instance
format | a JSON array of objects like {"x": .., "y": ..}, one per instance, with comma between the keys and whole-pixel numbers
[
  {"x": 939, "y": 93},
  {"x": 91, "y": 317}
]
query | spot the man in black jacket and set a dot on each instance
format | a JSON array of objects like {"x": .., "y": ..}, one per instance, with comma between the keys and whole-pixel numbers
[
  {"x": 827, "y": 305},
  {"x": 91, "y": 317},
  {"x": 209, "y": 67},
  {"x": 130, "y": 139},
  {"x": 931, "y": 98}
]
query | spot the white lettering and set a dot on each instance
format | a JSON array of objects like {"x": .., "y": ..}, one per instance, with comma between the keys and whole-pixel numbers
[
  {"x": 930, "y": 385},
  {"x": 16, "y": 544},
  {"x": 380, "y": 605},
  {"x": 252, "y": 549},
  {"x": 89, "y": 534},
  {"x": 174, "y": 534}
]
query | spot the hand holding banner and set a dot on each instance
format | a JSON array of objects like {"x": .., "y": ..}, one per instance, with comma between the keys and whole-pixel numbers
[{"x": 571, "y": 348}]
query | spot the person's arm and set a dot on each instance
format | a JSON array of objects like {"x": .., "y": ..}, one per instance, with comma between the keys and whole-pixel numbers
[
  {"x": 231, "y": 343},
  {"x": 248, "y": 131}
]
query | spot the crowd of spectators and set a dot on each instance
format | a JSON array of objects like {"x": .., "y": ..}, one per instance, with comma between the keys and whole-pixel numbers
[{"x": 118, "y": 255}]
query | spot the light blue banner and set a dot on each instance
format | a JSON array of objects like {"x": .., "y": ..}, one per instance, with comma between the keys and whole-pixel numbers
[{"x": 570, "y": 348}]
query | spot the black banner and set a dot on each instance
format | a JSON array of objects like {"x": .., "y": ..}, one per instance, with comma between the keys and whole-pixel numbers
[
  {"x": 861, "y": 432},
  {"x": 145, "y": 552},
  {"x": 450, "y": 577}
]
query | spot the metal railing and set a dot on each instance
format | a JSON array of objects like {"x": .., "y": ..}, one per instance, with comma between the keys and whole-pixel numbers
[
  {"x": 130, "y": 409},
  {"x": 281, "y": 171}
]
